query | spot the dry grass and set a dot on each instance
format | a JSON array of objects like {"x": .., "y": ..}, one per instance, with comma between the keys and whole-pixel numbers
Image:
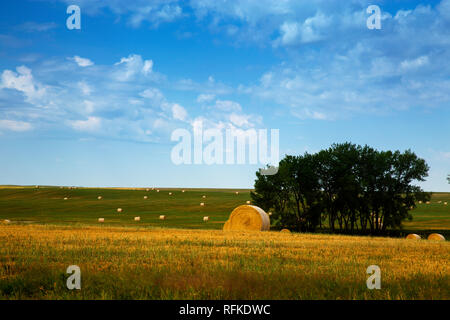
[{"x": 134, "y": 263}]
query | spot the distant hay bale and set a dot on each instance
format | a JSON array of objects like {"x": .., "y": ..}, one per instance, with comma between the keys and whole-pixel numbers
[
  {"x": 248, "y": 202},
  {"x": 439, "y": 202},
  {"x": 237, "y": 192},
  {"x": 428, "y": 202},
  {"x": 162, "y": 217},
  {"x": 147, "y": 189},
  {"x": 204, "y": 197},
  {"x": 413, "y": 236},
  {"x": 157, "y": 190},
  {"x": 6, "y": 221},
  {"x": 248, "y": 218},
  {"x": 182, "y": 191},
  {"x": 137, "y": 218},
  {"x": 170, "y": 193},
  {"x": 101, "y": 220},
  {"x": 145, "y": 197},
  {"x": 445, "y": 203},
  {"x": 436, "y": 236},
  {"x": 420, "y": 202},
  {"x": 205, "y": 219},
  {"x": 99, "y": 197},
  {"x": 65, "y": 198},
  {"x": 202, "y": 204},
  {"x": 285, "y": 231},
  {"x": 119, "y": 210},
  {"x": 37, "y": 187}
]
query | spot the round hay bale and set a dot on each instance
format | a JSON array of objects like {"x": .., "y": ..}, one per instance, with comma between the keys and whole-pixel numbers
[
  {"x": 248, "y": 202},
  {"x": 248, "y": 218},
  {"x": 436, "y": 236},
  {"x": 204, "y": 197},
  {"x": 170, "y": 193},
  {"x": 237, "y": 192},
  {"x": 205, "y": 219},
  {"x": 137, "y": 218},
  {"x": 439, "y": 202},
  {"x": 420, "y": 202},
  {"x": 37, "y": 187},
  {"x": 145, "y": 197},
  {"x": 428, "y": 202},
  {"x": 413, "y": 236},
  {"x": 445, "y": 203},
  {"x": 162, "y": 217},
  {"x": 6, "y": 221},
  {"x": 182, "y": 191},
  {"x": 285, "y": 231},
  {"x": 66, "y": 198},
  {"x": 101, "y": 220},
  {"x": 119, "y": 210},
  {"x": 202, "y": 204},
  {"x": 157, "y": 190},
  {"x": 99, "y": 197}
]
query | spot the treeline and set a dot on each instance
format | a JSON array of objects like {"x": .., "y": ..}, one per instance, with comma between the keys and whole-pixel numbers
[{"x": 346, "y": 188}]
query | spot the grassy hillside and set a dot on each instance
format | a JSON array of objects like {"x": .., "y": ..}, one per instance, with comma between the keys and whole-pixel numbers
[{"x": 156, "y": 263}]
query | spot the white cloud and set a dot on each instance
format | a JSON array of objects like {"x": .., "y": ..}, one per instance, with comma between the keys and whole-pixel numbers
[
  {"x": 90, "y": 124},
  {"x": 131, "y": 66},
  {"x": 178, "y": 112},
  {"x": 17, "y": 126},
  {"x": 416, "y": 63},
  {"x": 82, "y": 62},
  {"x": 22, "y": 81},
  {"x": 240, "y": 120},
  {"x": 227, "y": 105},
  {"x": 85, "y": 88},
  {"x": 205, "y": 97}
]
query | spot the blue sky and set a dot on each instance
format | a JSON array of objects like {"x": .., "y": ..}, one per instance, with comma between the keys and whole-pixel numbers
[{"x": 97, "y": 106}]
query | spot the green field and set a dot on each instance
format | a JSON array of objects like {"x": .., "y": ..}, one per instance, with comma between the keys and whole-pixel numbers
[{"x": 46, "y": 205}]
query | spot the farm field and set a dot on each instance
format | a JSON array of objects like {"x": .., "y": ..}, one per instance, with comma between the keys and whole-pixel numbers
[
  {"x": 157, "y": 263},
  {"x": 46, "y": 205},
  {"x": 183, "y": 257}
]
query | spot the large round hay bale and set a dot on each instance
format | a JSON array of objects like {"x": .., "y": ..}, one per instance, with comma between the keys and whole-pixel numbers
[
  {"x": 204, "y": 197},
  {"x": 101, "y": 220},
  {"x": 436, "y": 236},
  {"x": 285, "y": 231},
  {"x": 145, "y": 197},
  {"x": 247, "y": 202},
  {"x": 161, "y": 217},
  {"x": 205, "y": 219},
  {"x": 99, "y": 197},
  {"x": 119, "y": 210},
  {"x": 202, "y": 204},
  {"x": 248, "y": 218},
  {"x": 6, "y": 221},
  {"x": 137, "y": 218},
  {"x": 413, "y": 236},
  {"x": 183, "y": 191}
]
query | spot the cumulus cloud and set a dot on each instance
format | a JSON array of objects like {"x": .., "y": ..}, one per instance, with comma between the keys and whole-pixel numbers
[
  {"x": 129, "y": 67},
  {"x": 22, "y": 81},
  {"x": 178, "y": 112}
]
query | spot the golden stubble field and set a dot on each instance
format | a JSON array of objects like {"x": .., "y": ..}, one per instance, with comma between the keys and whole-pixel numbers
[{"x": 154, "y": 263}]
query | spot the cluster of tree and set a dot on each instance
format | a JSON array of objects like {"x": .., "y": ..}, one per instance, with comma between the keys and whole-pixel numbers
[{"x": 346, "y": 188}]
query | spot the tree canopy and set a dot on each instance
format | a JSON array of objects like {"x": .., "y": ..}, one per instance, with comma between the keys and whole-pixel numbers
[{"x": 346, "y": 188}]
